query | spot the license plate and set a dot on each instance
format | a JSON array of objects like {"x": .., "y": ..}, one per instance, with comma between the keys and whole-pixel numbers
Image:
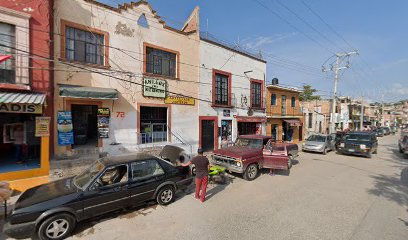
[{"x": 351, "y": 150}]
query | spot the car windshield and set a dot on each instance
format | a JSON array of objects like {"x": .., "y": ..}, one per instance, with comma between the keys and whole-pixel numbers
[
  {"x": 86, "y": 176},
  {"x": 316, "y": 138},
  {"x": 249, "y": 142},
  {"x": 358, "y": 137}
]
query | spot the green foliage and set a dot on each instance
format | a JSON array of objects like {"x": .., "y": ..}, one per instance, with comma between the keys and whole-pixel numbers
[{"x": 308, "y": 94}]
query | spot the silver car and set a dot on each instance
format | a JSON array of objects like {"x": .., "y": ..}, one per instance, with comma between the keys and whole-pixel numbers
[{"x": 319, "y": 143}]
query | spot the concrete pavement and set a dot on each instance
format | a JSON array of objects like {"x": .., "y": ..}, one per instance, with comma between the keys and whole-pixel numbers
[{"x": 324, "y": 197}]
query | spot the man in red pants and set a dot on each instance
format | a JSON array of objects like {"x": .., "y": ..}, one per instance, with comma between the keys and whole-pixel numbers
[{"x": 202, "y": 166}]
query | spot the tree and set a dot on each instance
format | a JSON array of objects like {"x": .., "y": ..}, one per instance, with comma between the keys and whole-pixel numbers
[{"x": 308, "y": 94}]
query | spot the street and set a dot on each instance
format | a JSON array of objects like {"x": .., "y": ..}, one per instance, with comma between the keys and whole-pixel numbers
[{"x": 325, "y": 197}]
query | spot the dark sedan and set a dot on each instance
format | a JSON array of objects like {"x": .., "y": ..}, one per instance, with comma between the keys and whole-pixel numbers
[
  {"x": 52, "y": 210},
  {"x": 358, "y": 143}
]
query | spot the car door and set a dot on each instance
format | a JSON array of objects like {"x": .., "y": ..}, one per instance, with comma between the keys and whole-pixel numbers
[
  {"x": 108, "y": 192},
  {"x": 146, "y": 176},
  {"x": 275, "y": 157}
]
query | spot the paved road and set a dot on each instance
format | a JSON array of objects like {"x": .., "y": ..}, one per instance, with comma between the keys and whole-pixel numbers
[{"x": 324, "y": 197}]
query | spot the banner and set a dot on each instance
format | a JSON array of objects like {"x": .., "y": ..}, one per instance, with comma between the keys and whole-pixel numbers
[
  {"x": 65, "y": 128},
  {"x": 42, "y": 126},
  {"x": 103, "y": 122},
  {"x": 21, "y": 108},
  {"x": 154, "y": 88}
]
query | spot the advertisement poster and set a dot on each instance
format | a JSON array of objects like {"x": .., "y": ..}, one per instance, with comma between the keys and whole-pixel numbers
[
  {"x": 154, "y": 88},
  {"x": 103, "y": 122},
  {"x": 42, "y": 126},
  {"x": 65, "y": 129}
]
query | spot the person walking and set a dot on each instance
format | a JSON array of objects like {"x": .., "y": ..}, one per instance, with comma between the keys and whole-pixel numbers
[
  {"x": 202, "y": 165},
  {"x": 18, "y": 143}
]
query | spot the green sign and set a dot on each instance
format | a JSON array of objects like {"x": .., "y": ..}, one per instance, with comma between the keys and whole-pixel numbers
[{"x": 154, "y": 88}]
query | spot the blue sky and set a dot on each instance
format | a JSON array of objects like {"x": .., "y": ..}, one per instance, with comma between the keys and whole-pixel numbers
[{"x": 377, "y": 29}]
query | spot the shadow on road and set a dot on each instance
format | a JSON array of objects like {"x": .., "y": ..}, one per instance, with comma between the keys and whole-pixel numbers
[{"x": 391, "y": 188}]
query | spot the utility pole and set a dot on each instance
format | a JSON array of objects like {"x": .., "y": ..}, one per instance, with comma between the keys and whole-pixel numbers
[
  {"x": 362, "y": 113},
  {"x": 340, "y": 57}
]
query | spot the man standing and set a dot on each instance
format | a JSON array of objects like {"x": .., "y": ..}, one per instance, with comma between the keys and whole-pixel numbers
[
  {"x": 202, "y": 166},
  {"x": 18, "y": 143}
]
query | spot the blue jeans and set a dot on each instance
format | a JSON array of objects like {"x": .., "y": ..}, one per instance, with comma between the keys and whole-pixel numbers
[{"x": 18, "y": 152}]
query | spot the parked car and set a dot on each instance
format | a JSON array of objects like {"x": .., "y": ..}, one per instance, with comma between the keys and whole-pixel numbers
[
  {"x": 387, "y": 130},
  {"x": 403, "y": 145},
  {"x": 319, "y": 143},
  {"x": 379, "y": 132},
  {"x": 52, "y": 210},
  {"x": 358, "y": 143},
  {"x": 246, "y": 156},
  {"x": 176, "y": 155}
]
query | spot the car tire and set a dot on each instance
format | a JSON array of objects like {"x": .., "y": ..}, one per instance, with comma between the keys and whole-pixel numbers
[
  {"x": 290, "y": 163},
  {"x": 56, "y": 227},
  {"x": 400, "y": 150},
  {"x": 166, "y": 195},
  {"x": 325, "y": 151},
  {"x": 369, "y": 155},
  {"x": 251, "y": 172},
  {"x": 375, "y": 152}
]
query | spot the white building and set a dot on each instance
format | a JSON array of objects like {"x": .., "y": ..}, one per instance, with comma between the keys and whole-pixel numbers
[{"x": 232, "y": 86}]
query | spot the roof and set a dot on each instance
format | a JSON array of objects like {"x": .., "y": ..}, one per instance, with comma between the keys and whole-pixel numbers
[
  {"x": 126, "y": 158},
  {"x": 22, "y": 98},
  {"x": 254, "y": 136},
  {"x": 284, "y": 88}
]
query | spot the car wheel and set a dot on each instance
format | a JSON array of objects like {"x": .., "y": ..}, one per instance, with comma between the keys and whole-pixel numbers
[
  {"x": 251, "y": 172},
  {"x": 400, "y": 150},
  {"x": 193, "y": 170},
  {"x": 325, "y": 151},
  {"x": 166, "y": 195},
  {"x": 56, "y": 227},
  {"x": 375, "y": 152},
  {"x": 290, "y": 159},
  {"x": 369, "y": 155}
]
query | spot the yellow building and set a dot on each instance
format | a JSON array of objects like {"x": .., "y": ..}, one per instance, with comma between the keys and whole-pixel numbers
[{"x": 284, "y": 118}]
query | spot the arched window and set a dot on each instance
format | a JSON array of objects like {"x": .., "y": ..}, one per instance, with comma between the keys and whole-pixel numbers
[{"x": 142, "y": 21}]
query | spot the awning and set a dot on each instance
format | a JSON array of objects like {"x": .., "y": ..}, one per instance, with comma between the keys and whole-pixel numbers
[
  {"x": 293, "y": 123},
  {"x": 14, "y": 102},
  {"x": 87, "y": 92},
  {"x": 251, "y": 119}
]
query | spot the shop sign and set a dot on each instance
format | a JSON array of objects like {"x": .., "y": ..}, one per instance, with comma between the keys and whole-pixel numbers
[
  {"x": 65, "y": 128},
  {"x": 154, "y": 88},
  {"x": 21, "y": 108},
  {"x": 103, "y": 122},
  {"x": 42, "y": 126},
  {"x": 179, "y": 100},
  {"x": 227, "y": 113}
]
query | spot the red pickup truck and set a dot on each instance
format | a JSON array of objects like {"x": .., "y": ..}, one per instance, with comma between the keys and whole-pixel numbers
[{"x": 253, "y": 152}]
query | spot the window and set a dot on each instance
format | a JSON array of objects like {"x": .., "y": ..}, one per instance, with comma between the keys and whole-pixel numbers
[
  {"x": 84, "y": 46},
  {"x": 283, "y": 105},
  {"x": 256, "y": 94},
  {"x": 142, "y": 21},
  {"x": 114, "y": 175},
  {"x": 146, "y": 169},
  {"x": 273, "y": 99},
  {"x": 7, "y": 38},
  {"x": 310, "y": 120},
  {"x": 160, "y": 62},
  {"x": 221, "y": 89},
  {"x": 293, "y": 103}
]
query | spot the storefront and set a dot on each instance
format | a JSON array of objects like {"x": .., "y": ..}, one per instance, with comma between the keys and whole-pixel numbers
[
  {"x": 250, "y": 125},
  {"x": 24, "y": 132},
  {"x": 285, "y": 129}
]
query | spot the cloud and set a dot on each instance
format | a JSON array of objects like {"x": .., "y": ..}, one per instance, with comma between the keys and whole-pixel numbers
[
  {"x": 262, "y": 41},
  {"x": 399, "y": 89}
]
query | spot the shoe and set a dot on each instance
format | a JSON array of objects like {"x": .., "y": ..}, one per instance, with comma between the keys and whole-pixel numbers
[{"x": 271, "y": 174}]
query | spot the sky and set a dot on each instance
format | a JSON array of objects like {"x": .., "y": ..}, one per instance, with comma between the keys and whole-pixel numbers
[{"x": 297, "y": 37}]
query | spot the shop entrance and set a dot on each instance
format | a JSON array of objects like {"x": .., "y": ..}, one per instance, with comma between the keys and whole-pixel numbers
[
  {"x": 153, "y": 124},
  {"x": 226, "y": 133},
  {"x": 84, "y": 122},
  {"x": 19, "y": 148}
]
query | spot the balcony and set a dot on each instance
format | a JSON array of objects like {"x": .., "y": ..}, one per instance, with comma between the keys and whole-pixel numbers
[{"x": 281, "y": 112}]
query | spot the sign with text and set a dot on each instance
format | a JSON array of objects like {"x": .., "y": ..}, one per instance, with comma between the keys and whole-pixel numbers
[
  {"x": 226, "y": 113},
  {"x": 179, "y": 100},
  {"x": 154, "y": 88},
  {"x": 65, "y": 129},
  {"x": 42, "y": 126},
  {"x": 21, "y": 108}
]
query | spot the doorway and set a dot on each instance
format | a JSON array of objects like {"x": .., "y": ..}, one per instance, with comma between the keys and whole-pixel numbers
[
  {"x": 207, "y": 135},
  {"x": 84, "y": 122},
  {"x": 153, "y": 124}
]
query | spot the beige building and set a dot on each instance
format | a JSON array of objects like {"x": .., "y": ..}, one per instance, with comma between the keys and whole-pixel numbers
[{"x": 125, "y": 80}]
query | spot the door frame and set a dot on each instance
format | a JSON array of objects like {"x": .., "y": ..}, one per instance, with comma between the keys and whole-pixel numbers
[{"x": 208, "y": 118}]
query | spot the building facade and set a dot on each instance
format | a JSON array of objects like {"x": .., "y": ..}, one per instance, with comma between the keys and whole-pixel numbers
[
  {"x": 26, "y": 88},
  {"x": 125, "y": 79},
  {"x": 232, "y": 86},
  {"x": 316, "y": 116},
  {"x": 283, "y": 113}
]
